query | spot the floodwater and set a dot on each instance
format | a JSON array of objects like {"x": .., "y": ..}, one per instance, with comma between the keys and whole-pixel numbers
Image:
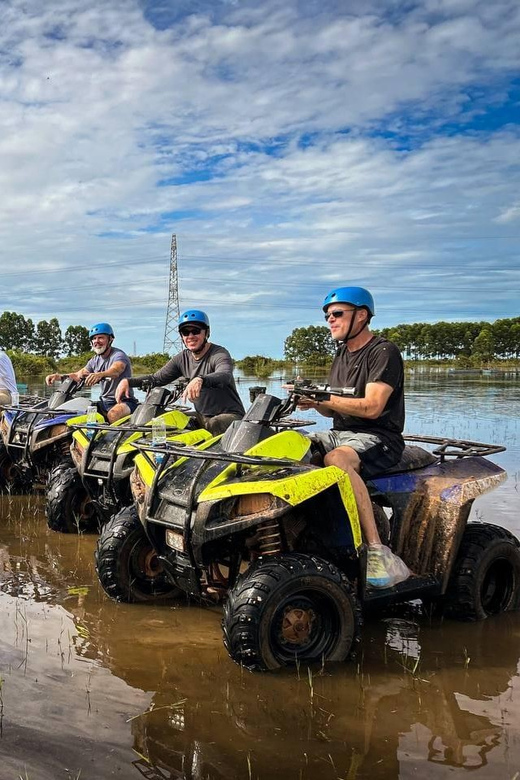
[{"x": 91, "y": 689}]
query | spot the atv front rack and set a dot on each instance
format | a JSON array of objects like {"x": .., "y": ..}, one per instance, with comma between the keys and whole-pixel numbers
[
  {"x": 456, "y": 448},
  {"x": 26, "y": 402},
  {"x": 124, "y": 428},
  {"x": 184, "y": 451},
  {"x": 291, "y": 422}
]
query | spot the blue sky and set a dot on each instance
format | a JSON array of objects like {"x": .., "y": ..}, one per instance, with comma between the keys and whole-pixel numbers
[{"x": 291, "y": 146}]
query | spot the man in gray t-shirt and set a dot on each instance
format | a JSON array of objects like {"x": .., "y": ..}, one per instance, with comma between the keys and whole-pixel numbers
[
  {"x": 108, "y": 366},
  {"x": 209, "y": 368}
]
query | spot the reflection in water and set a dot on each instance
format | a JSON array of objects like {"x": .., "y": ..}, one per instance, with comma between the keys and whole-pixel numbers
[
  {"x": 148, "y": 691},
  {"x": 421, "y": 694}
]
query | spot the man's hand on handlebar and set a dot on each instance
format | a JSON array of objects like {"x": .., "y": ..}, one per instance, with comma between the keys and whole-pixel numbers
[
  {"x": 51, "y": 378},
  {"x": 304, "y": 403},
  {"x": 94, "y": 378},
  {"x": 193, "y": 388},
  {"x": 122, "y": 390}
]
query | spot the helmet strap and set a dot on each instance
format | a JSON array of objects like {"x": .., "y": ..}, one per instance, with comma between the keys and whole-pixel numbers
[{"x": 351, "y": 335}]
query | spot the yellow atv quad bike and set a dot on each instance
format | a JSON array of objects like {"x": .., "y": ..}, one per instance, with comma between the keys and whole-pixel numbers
[
  {"x": 247, "y": 519},
  {"x": 85, "y": 495}
]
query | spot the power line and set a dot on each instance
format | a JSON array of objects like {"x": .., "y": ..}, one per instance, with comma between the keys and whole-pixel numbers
[{"x": 82, "y": 268}]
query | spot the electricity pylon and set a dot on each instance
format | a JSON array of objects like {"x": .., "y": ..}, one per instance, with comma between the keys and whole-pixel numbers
[{"x": 172, "y": 340}]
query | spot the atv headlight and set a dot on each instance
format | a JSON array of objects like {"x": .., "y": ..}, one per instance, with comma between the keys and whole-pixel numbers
[{"x": 174, "y": 540}]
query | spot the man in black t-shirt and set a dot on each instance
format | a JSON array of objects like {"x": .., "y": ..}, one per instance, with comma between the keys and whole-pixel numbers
[
  {"x": 209, "y": 368},
  {"x": 366, "y": 436}
]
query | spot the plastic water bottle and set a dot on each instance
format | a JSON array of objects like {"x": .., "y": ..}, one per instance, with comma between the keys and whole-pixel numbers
[
  {"x": 91, "y": 419},
  {"x": 15, "y": 398},
  {"x": 158, "y": 436}
]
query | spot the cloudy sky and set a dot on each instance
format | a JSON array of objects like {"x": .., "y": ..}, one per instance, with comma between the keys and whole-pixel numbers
[{"x": 291, "y": 145}]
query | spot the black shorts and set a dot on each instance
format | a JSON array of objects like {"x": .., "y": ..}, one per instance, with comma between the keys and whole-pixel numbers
[{"x": 106, "y": 404}]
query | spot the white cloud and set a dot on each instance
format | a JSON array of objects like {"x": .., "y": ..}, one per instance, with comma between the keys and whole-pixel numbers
[{"x": 281, "y": 111}]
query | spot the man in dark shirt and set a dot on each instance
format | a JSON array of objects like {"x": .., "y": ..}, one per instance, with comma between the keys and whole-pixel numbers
[
  {"x": 366, "y": 436},
  {"x": 109, "y": 366},
  {"x": 209, "y": 367}
]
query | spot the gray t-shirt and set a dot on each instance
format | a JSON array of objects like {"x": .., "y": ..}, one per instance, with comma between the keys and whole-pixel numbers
[
  {"x": 218, "y": 394},
  {"x": 103, "y": 363}
]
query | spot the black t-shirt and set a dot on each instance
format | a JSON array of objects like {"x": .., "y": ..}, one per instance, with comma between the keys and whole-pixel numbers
[{"x": 377, "y": 361}]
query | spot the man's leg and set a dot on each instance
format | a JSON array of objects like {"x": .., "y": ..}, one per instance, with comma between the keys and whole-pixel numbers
[
  {"x": 348, "y": 460},
  {"x": 383, "y": 567},
  {"x": 220, "y": 422},
  {"x": 117, "y": 411}
]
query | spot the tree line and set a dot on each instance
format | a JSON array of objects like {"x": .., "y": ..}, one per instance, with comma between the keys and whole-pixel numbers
[
  {"x": 467, "y": 343},
  {"x": 478, "y": 341},
  {"x": 44, "y": 338}
]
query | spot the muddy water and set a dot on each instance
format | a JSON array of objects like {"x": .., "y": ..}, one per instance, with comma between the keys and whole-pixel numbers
[{"x": 93, "y": 690}]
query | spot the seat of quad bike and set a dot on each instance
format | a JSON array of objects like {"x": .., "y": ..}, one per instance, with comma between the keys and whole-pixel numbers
[
  {"x": 79, "y": 404},
  {"x": 413, "y": 457}
]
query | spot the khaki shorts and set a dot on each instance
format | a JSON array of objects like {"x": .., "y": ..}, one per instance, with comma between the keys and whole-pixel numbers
[{"x": 375, "y": 454}]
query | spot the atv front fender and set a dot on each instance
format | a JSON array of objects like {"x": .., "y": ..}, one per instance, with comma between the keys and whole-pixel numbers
[{"x": 293, "y": 489}]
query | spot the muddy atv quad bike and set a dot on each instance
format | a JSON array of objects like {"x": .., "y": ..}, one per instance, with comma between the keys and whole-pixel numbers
[
  {"x": 14, "y": 478},
  {"x": 84, "y": 494},
  {"x": 36, "y": 437},
  {"x": 248, "y": 519}
]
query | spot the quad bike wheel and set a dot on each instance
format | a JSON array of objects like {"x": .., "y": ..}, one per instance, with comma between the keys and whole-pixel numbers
[
  {"x": 288, "y": 609},
  {"x": 127, "y": 564},
  {"x": 68, "y": 506},
  {"x": 486, "y": 576},
  {"x": 13, "y": 479}
]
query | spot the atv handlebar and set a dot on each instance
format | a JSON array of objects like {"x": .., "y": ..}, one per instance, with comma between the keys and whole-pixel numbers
[
  {"x": 177, "y": 387},
  {"x": 319, "y": 392}
]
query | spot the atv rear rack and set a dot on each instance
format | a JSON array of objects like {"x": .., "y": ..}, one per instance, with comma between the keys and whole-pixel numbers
[{"x": 456, "y": 448}]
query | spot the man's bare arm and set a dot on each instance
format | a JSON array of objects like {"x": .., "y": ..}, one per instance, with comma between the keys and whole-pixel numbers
[
  {"x": 115, "y": 370},
  {"x": 370, "y": 407}
]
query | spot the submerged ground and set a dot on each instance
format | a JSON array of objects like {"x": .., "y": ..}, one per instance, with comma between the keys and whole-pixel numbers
[{"x": 92, "y": 690}]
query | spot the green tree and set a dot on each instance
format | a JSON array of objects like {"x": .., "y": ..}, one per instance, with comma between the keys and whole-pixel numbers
[
  {"x": 48, "y": 340},
  {"x": 76, "y": 340},
  {"x": 312, "y": 345},
  {"x": 484, "y": 345},
  {"x": 16, "y": 332},
  {"x": 514, "y": 343}
]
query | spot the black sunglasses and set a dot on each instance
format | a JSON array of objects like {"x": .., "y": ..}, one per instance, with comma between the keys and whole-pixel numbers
[
  {"x": 191, "y": 331},
  {"x": 338, "y": 313}
]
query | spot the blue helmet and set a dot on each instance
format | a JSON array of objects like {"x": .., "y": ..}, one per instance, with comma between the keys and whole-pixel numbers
[
  {"x": 356, "y": 296},
  {"x": 194, "y": 317},
  {"x": 101, "y": 328}
]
